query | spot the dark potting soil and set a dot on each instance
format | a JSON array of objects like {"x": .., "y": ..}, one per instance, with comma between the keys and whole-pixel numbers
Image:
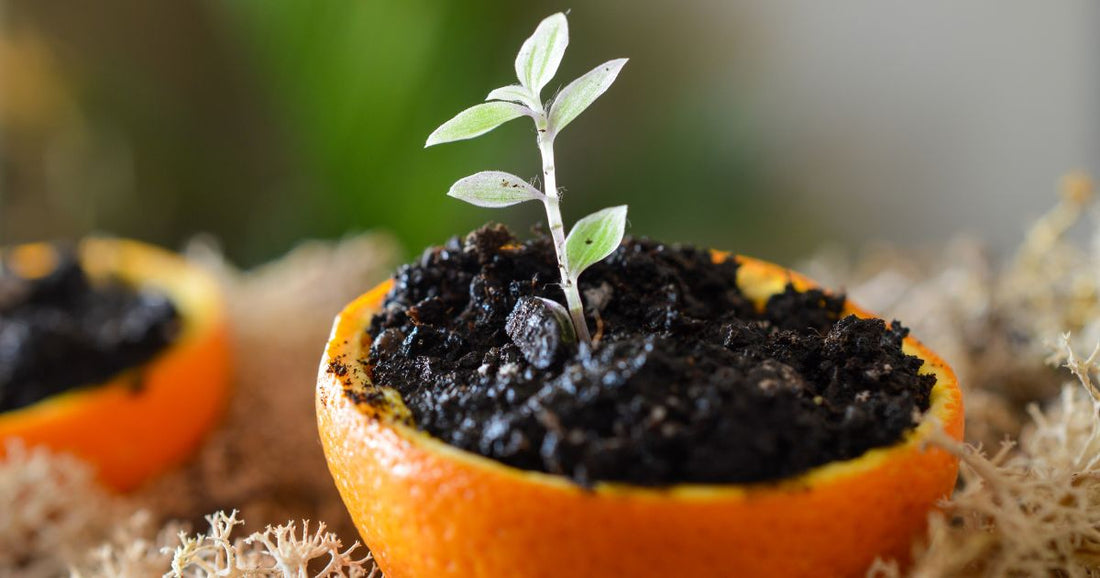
[
  {"x": 689, "y": 383},
  {"x": 61, "y": 331}
]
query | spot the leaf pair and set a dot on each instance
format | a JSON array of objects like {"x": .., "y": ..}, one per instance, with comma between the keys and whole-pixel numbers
[
  {"x": 536, "y": 64},
  {"x": 591, "y": 240}
]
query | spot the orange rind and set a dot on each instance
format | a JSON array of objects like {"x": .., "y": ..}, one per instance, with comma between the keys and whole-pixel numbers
[
  {"x": 427, "y": 509},
  {"x": 148, "y": 418}
]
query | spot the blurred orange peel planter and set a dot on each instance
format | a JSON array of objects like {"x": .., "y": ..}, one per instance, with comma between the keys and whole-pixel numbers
[
  {"x": 428, "y": 509},
  {"x": 131, "y": 434}
]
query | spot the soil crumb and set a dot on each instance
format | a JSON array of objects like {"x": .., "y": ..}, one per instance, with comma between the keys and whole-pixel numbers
[
  {"x": 688, "y": 383},
  {"x": 61, "y": 331}
]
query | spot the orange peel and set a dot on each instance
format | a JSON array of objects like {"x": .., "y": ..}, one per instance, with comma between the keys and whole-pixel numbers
[
  {"x": 148, "y": 418},
  {"x": 427, "y": 509}
]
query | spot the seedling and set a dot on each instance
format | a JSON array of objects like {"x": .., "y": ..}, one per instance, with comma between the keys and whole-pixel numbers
[{"x": 592, "y": 238}]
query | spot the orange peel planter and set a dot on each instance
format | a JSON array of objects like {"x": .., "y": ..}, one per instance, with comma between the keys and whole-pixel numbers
[
  {"x": 427, "y": 509},
  {"x": 148, "y": 418}
]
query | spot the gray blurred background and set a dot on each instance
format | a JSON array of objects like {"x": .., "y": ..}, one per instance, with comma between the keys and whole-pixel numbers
[{"x": 765, "y": 127}]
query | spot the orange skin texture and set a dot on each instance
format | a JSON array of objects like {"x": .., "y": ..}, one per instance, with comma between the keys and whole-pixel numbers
[
  {"x": 426, "y": 509},
  {"x": 148, "y": 418}
]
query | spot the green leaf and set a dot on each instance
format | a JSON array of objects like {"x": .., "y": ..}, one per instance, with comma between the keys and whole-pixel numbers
[
  {"x": 540, "y": 55},
  {"x": 515, "y": 93},
  {"x": 476, "y": 121},
  {"x": 494, "y": 189},
  {"x": 581, "y": 93},
  {"x": 593, "y": 238}
]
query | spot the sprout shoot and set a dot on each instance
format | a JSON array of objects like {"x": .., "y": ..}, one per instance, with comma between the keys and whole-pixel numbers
[{"x": 592, "y": 238}]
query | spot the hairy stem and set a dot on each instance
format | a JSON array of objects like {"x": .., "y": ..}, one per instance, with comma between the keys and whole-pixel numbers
[{"x": 557, "y": 232}]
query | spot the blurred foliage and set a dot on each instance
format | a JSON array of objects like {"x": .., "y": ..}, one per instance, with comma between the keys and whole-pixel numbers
[
  {"x": 267, "y": 122},
  {"x": 359, "y": 85}
]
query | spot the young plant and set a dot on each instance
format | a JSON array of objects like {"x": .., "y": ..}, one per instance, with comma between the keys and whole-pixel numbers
[{"x": 592, "y": 238}]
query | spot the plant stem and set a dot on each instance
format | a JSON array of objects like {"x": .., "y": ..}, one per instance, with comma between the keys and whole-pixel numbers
[{"x": 557, "y": 232}]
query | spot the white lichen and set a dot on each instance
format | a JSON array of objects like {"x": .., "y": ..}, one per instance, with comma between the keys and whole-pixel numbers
[
  {"x": 136, "y": 549},
  {"x": 51, "y": 510},
  {"x": 279, "y": 551}
]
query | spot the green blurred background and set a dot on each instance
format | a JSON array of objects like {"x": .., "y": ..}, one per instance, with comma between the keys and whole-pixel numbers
[{"x": 768, "y": 128}]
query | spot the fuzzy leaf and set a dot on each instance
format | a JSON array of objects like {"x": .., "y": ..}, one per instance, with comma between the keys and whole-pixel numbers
[
  {"x": 581, "y": 93},
  {"x": 476, "y": 121},
  {"x": 540, "y": 55},
  {"x": 593, "y": 238},
  {"x": 514, "y": 93},
  {"x": 494, "y": 189}
]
